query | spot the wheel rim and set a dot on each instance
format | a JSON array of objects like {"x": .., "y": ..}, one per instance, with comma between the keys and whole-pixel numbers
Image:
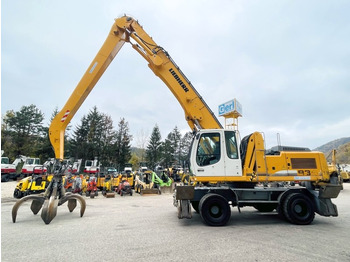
[
  {"x": 301, "y": 209},
  {"x": 215, "y": 211}
]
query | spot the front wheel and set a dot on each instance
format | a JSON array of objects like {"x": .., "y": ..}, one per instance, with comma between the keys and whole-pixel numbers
[
  {"x": 214, "y": 210},
  {"x": 17, "y": 193},
  {"x": 298, "y": 209}
]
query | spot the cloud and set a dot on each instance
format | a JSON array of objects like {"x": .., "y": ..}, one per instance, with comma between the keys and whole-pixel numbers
[{"x": 286, "y": 62}]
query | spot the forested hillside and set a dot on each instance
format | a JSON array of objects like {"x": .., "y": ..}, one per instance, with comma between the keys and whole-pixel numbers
[{"x": 342, "y": 146}]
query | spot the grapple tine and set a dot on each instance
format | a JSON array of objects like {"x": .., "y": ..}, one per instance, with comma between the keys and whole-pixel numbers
[
  {"x": 37, "y": 199},
  {"x": 36, "y": 205},
  {"x": 49, "y": 209},
  {"x": 72, "y": 203},
  {"x": 82, "y": 203}
]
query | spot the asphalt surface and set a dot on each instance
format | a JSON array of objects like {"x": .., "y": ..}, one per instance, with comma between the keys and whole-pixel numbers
[{"x": 146, "y": 228}]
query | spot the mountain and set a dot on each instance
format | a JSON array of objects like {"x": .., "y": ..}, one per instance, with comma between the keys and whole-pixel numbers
[{"x": 342, "y": 145}]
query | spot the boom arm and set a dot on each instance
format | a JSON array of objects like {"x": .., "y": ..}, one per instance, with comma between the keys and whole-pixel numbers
[{"x": 125, "y": 29}]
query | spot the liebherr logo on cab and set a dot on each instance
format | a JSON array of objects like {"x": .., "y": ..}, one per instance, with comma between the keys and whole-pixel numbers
[{"x": 177, "y": 78}]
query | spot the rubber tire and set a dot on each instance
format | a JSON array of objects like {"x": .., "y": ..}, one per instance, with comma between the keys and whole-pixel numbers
[
  {"x": 214, "y": 210},
  {"x": 265, "y": 207},
  {"x": 298, "y": 209},
  {"x": 17, "y": 194}
]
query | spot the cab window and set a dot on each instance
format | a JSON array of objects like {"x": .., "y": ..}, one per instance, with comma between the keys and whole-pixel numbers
[
  {"x": 231, "y": 145},
  {"x": 208, "y": 151}
]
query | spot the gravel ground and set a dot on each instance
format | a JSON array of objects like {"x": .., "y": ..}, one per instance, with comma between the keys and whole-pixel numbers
[{"x": 146, "y": 228}]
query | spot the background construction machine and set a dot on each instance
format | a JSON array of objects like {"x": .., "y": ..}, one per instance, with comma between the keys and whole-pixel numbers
[
  {"x": 144, "y": 183},
  {"x": 34, "y": 184},
  {"x": 9, "y": 170},
  {"x": 164, "y": 182},
  {"x": 335, "y": 167}
]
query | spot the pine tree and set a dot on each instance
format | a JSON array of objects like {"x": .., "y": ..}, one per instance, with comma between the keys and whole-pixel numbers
[
  {"x": 108, "y": 138},
  {"x": 79, "y": 141},
  {"x": 176, "y": 144},
  {"x": 153, "y": 151},
  {"x": 26, "y": 130},
  {"x": 185, "y": 147},
  {"x": 122, "y": 145}
]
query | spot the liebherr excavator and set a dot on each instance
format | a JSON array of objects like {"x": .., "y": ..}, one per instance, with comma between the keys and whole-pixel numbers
[{"x": 228, "y": 172}]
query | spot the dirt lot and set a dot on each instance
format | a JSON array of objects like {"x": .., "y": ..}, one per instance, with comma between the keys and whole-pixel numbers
[{"x": 146, "y": 228}]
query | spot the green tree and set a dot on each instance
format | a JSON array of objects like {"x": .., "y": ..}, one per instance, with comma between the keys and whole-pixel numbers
[
  {"x": 95, "y": 130},
  {"x": 153, "y": 150},
  {"x": 25, "y": 129},
  {"x": 168, "y": 151},
  {"x": 185, "y": 147},
  {"x": 122, "y": 145},
  {"x": 172, "y": 148},
  {"x": 94, "y": 137},
  {"x": 108, "y": 138},
  {"x": 176, "y": 145},
  {"x": 79, "y": 142},
  {"x": 6, "y": 137},
  {"x": 135, "y": 161}
]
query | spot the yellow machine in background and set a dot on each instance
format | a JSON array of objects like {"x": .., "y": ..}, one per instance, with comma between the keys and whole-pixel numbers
[
  {"x": 34, "y": 184},
  {"x": 334, "y": 167},
  {"x": 144, "y": 183}
]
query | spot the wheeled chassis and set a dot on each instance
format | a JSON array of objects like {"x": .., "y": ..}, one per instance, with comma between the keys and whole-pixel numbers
[{"x": 263, "y": 198}]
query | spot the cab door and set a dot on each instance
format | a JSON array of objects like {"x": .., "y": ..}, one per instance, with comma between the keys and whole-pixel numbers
[
  {"x": 233, "y": 163},
  {"x": 207, "y": 156}
]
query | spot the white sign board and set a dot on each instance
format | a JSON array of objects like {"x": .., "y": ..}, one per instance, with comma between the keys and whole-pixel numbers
[{"x": 232, "y": 106}]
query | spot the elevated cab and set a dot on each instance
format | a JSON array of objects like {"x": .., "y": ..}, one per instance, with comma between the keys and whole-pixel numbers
[{"x": 215, "y": 156}]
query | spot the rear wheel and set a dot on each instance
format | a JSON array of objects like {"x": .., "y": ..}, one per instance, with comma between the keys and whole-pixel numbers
[
  {"x": 298, "y": 209},
  {"x": 214, "y": 210}
]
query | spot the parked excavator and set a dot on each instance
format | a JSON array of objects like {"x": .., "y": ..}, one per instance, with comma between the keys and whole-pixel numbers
[{"x": 228, "y": 171}]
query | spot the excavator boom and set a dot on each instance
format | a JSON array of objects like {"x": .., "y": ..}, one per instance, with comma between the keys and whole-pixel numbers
[{"x": 126, "y": 29}]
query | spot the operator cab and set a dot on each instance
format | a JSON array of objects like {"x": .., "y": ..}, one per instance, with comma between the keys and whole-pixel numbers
[{"x": 215, "y": 153}]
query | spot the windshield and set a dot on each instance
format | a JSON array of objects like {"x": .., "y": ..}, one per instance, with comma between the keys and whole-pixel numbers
[
  {"x": 5, "y": 160},
  {"x": 30, "y": 161},
  {"x": 208, "y": 151}
]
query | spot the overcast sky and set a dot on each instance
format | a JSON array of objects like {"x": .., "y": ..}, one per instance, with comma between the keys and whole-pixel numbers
[{"x": 286, "y": 62}]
